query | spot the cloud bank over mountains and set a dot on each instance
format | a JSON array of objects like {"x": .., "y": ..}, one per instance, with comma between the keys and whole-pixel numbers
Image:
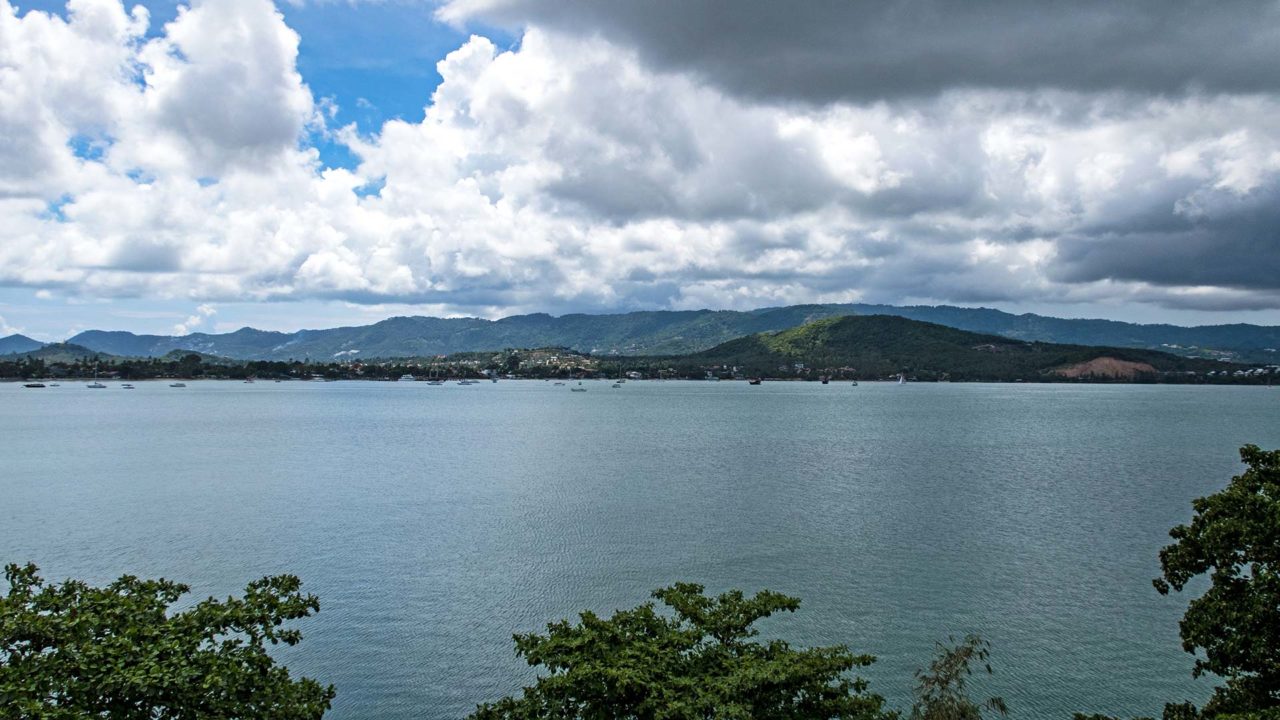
[{"x": 627, "y": 156}]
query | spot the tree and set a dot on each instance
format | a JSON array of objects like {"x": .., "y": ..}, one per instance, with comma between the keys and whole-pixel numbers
[
  {"x": 941, "y": 692},
  {"x": 1234, "y": 538},
  {"x": 75, "y": 651},
  {"x": 698, "y": 661}
]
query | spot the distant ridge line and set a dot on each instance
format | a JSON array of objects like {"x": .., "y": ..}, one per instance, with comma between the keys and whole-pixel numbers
[{"x": 667, "y": 332}]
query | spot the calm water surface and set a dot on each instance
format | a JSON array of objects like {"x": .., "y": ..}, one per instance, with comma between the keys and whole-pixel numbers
[{"x": 434, "y": 522}]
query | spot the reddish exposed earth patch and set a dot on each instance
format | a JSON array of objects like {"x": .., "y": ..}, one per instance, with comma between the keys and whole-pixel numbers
[{"x": 1107, "y": 367}]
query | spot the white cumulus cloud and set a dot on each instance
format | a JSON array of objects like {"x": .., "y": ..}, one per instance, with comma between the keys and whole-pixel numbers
[
  {"x": 203, "y": 312},
  {"x": 570, "y": 174}
]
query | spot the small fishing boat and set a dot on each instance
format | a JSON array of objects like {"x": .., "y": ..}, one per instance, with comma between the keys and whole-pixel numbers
[
  {"x": 178, "y": 385},
  {"x": 407, "y": 378},
  {"x": 855, "y": 383},
  {"x": 33, "y": 385},
  {"x": 126, "y": 386},
  {"x": 754, "y": 381}
]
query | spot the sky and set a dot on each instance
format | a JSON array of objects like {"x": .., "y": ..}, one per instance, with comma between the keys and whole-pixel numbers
[{"x": 171, "y": 168}]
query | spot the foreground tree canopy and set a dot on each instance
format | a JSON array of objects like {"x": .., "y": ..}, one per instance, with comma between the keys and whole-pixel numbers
[
  {"x": 75, "y": 651},
  {"x": 1234, "y": 538},
  {"x": 697, "y": 661}
]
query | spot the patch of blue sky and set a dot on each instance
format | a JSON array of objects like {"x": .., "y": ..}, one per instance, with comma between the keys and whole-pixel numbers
[
  {"x": 89, "y": 147},
  {"x": 371, "y": 188},
  {"x": 55, "y": 209},
  {"x": 161, "y": 11},
  {"x": 373, "y": 61}
]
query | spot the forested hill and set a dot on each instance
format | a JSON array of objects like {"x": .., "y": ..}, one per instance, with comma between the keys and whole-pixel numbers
[
  {"x": 668, "y": 333},
  {"x": 60, "y": 353},
  {"x": 882, "y": 345},
  {"x": 18, "y": 344}
]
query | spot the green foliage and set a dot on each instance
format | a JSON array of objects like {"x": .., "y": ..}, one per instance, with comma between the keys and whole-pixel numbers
[
  {"x": 72, "y": 651},
  {"x": 942, "y": 689},
  {"x": 699, "y": 661},
  {"x": 1234, "y": 538}
]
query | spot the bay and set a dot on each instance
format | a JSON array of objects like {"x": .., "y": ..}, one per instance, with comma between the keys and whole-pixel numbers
[{"x": 434, "y": 522}]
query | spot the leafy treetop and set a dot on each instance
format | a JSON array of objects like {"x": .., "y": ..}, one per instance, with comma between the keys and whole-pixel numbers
[
  {"x": 75, "y": 651},
  {"x": 942, "y": 688},
  {"x": 1234, "y": 538},
  {"x": 699, "y": 661}
]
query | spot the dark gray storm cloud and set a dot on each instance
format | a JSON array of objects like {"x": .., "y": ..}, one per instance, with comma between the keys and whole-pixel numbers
[
  {"x": 1237, "y": 247},
  {"x": 849, "y": 50}
]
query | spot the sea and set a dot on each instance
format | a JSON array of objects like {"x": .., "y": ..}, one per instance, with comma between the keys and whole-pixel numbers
[{"x": 433, "y": 522}]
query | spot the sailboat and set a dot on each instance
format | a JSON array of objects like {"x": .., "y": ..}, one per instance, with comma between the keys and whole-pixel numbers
[
  {"x": 95, "y": 384},
  {"x": 902, "y": 379}
]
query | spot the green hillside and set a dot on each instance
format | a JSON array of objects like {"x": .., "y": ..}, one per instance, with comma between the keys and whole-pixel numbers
[
  {"x": 882, "y": 345},
  {"x": 61, "y": 353}
]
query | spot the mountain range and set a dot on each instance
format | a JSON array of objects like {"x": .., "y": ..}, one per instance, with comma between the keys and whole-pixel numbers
[{"x": 659, "y": 333}]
